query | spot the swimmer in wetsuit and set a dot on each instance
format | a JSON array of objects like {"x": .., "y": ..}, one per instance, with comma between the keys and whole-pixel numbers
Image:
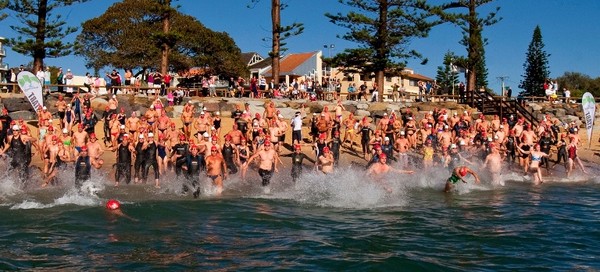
[
  {"x": 459, "y": 174},
  {"x": 297, "y": 160}
]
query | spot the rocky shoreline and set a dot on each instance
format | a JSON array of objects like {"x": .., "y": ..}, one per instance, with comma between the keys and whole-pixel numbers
[{"x": 19, "y": 108}]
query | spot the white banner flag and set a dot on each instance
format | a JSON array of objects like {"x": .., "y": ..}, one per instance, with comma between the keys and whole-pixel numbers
[
  {"x": 32, "y": 88},
  {"x": 589, "y": 112}
]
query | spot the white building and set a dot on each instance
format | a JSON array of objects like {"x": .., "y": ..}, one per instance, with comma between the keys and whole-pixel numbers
[{"x": 3, "y": 66}]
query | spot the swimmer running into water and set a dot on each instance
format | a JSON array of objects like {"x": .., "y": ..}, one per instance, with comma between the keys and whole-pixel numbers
[
  {"x": 459, "y": 174},
  {"x": 381, "y": 167}
]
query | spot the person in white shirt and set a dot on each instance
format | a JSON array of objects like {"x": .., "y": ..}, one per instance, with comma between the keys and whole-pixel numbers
[
  {"x": 567, "y": 95},
  {"x": 297, "y": 126},
  {"x": 40, "y": 75},
  {"x": 47, "y": 79}
]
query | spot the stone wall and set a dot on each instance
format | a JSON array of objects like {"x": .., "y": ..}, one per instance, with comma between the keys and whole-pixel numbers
[{"x": 19, "y": 107}]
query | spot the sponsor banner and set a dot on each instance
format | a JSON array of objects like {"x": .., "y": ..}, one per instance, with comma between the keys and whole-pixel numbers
[{"x": 32, "y": 88}]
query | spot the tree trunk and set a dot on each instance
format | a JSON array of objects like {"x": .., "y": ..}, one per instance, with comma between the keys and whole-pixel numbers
[
  {"x": 276, "y": 21},
  {"x": 164, "y": 62},
  {"x": 473, "y": 59},
  {"x": 380, "y": 80},
  {"x": 39, "y": 53},
  {"x": 381, "y": 49}
]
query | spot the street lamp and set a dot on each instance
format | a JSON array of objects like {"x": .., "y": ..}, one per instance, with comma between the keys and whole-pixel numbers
[{"x": 329, "y": 47}]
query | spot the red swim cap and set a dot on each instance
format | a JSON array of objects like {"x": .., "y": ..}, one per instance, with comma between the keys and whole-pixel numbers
[
  {"x": 113, "y": 204},
  {"x": 462, "y": 171}
]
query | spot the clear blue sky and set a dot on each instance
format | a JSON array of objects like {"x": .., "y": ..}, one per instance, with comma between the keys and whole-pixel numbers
[{"x": 568, "y": 30}]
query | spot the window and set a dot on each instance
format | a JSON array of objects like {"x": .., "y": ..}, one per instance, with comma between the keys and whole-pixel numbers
[{"x": 412, "y": 82}]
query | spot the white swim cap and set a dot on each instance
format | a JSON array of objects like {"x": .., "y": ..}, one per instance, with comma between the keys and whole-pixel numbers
[
  {"x": 65, "y": 130},
  {"x": 150, "y": 135}
]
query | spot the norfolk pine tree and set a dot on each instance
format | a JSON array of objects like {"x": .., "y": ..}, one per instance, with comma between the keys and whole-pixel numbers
[
  {"x": 446, "y": 76},
  {"x": 536, "y": 66},
  {"x": 3, "y": 5},
  {"x": 44, "y": 32},
  {"x": 279, "y": 33},
  {"x": 472, "y": 28},
  {"x": 382, "y": 29}
]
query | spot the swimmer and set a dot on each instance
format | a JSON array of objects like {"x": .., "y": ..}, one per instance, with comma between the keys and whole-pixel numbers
[
  {"x": 381, "y": 167},
  {"x": 493, "y": 163},
  {"x": 114, "y": 207},
  {"x": 267, "y": 164},
  {"x": 534, "y": 167},
  {"x": 458, "y": 175}
]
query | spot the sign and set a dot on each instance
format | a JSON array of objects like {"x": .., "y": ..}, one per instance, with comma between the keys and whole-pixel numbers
[
  {"x": 589, "y": 110},
  {"x": 32, "y": 88}
]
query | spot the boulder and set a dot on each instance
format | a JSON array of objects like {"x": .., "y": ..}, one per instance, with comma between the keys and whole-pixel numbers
[
  {"x": 287, "y": 113},
  {"x": 535, "y": 107},
  {"x": 378, "y": 106},
  {"x": 295, "y": 104},
  {"x": 362, "y": 106},
  {"x": 393, "y": 107},
  {"x": 362, "y": 113},
  {"x": 426, "y": 107},
  {"x": 312, "y": 107},
  {"x": 100, "y": 104},
  {"x": 569, "y": 119},
  {"x": 24, "y": 115},
  {"x": 211, "y": 106},
  {"x": 16, "y": 104},
  {"x": 141, "y": 100},
  {"x": 226, "y": 106},
  {"x": 351, "y": 108}
]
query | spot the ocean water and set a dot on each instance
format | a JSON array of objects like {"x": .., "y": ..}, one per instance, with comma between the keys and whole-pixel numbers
[{"x": 340, "y": 222}]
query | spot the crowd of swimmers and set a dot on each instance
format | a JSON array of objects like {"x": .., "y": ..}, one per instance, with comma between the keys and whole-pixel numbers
[{"x": 200, "y": 148}]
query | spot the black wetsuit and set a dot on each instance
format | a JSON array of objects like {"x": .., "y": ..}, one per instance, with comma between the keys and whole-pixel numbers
[
  {"x": 511, "y": 152},
  {"x": 228, "y": 152},
  {"x": 297, "y": 159},
  {"x": 365, "y": 138},
  {"x": 335, "y": 146},
  {"x": 320, "y": 146},
  {"x": 139, "y": 160},
  {"x": 388, "y": 150},
  {"x": 150, "y": 160},
  {"x": 5, "y": 119},
  {"x": 242, "y": 125},
  {"x": 83, "y": 169},
  {"x": 545, "y": 146},
  {"x": 180, "y": 149},
  {"x": 562, "y": 153},
  {"x": 123, "y": 171},
  {"x": 20, "y": 157},
  {"x": 195, "y": 166}
]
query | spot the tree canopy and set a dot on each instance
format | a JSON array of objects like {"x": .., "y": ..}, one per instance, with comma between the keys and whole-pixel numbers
[
  {"x": 579, "y": 83},
  {"x": 447, "y": 74},
  {"x": 536, "y": 66},
  {"x": 130, "y": 35},
  {"x": 42, "y": 33},
  {"x": 472, "y": 27},
  {"x": 382, "y": 29}
]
